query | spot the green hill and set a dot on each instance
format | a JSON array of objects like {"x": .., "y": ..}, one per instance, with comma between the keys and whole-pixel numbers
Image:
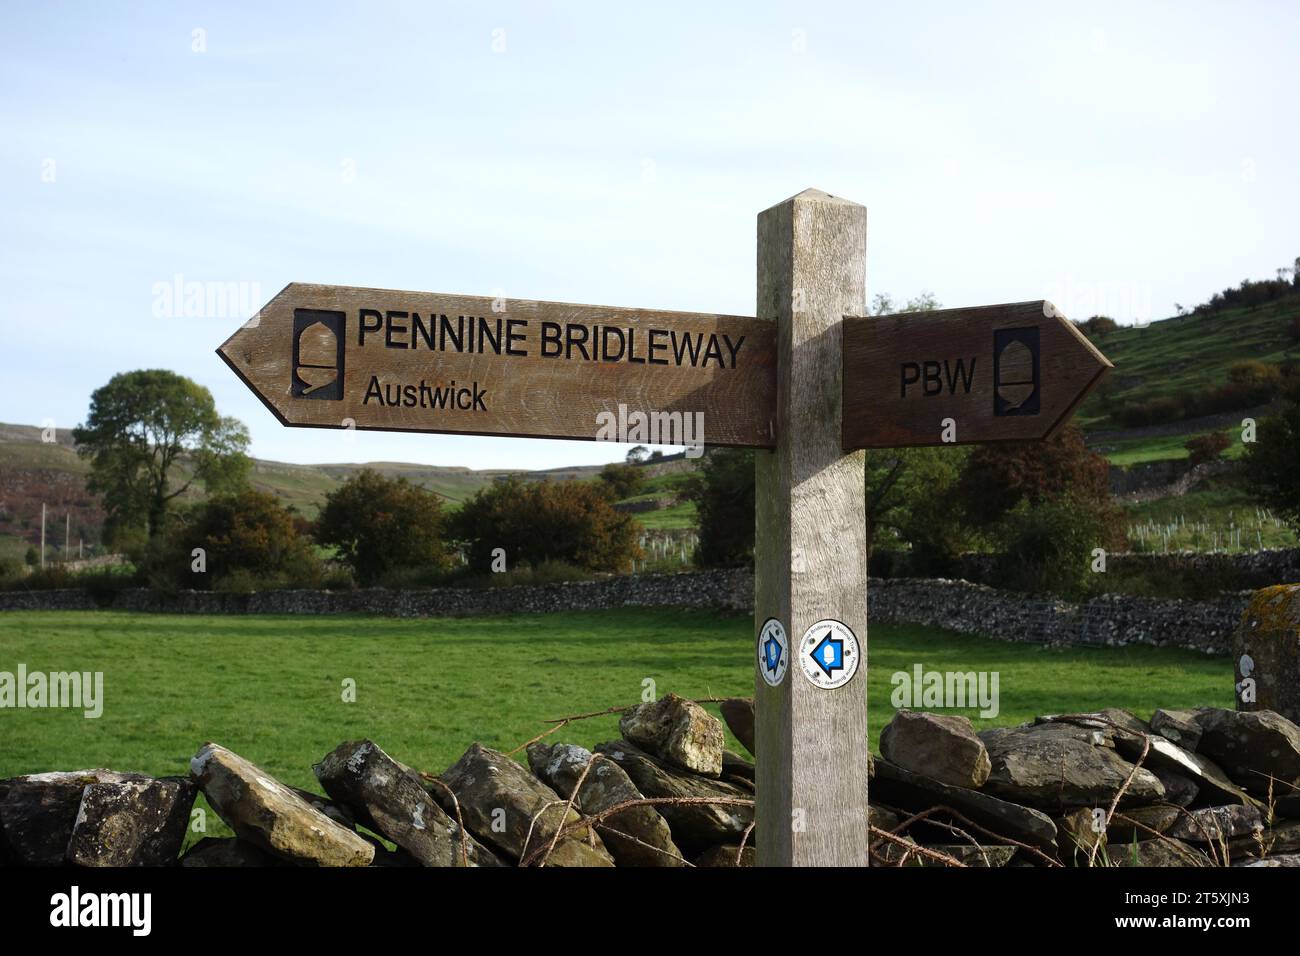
[
  {"x": 1188, "y": 353},
  {"x": 33, "y": 472}
]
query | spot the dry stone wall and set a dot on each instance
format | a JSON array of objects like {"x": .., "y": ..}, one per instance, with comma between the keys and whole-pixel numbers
[{"x": 1109, "y": 620}]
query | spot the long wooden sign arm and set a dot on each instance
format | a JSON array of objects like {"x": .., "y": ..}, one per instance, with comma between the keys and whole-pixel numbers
[{"x": 338, "y": 357}]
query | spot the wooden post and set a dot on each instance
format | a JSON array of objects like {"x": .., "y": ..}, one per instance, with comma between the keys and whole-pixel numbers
[
  {"x": 810, "y": 539},
  {"x": 42, "y": 534}
]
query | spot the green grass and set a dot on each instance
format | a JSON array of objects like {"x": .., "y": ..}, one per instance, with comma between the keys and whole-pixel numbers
[
  {"x": 1190, "y": 353},
  {"x": 1138, "y": 451},
  {"x": 675, "y": 517},
  {"x": 1213, "y": 508},
  {"x": 269, "y": 687}
]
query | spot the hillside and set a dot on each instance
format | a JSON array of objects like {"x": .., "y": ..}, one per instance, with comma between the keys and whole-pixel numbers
[
  {"x": 33, "y": 472},
  {"x": 1185, "y": 354}
]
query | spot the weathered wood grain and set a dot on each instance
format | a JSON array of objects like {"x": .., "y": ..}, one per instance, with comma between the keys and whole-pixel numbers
[
  {"x": 810, "y": 538},
  {"x": 522, "y": 391},
  {"x": 904, "y": 374}
]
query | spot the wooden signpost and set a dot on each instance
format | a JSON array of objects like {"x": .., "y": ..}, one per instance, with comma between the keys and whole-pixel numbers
[
  {"x": 336, "y": 357},
  {"x": 997, "y": 372},
  {"x": 811, "y": 381}
]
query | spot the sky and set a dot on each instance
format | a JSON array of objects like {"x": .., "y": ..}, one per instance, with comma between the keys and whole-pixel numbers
[{"x": 1115, "y": 158}]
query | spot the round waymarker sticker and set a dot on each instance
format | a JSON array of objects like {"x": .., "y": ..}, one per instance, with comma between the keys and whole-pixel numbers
[
  {"x": 828, "y": 654},
  {"x": 773, "y": 652}
]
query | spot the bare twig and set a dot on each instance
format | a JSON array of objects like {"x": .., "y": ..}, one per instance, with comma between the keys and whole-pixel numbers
[{"x": 460, "y": 823}]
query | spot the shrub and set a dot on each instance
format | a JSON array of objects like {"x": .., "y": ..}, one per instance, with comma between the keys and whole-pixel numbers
[
  {"x": 541, "y": 521},
  {"x": 1099, "y": 326},
  {"x": 1250, "y": 294},
  {"x": 378, "y": 525},
  {"x": 1253, "y": 372},
  {"x": 1205, "y": 448},
  {"x": 622, "y": 481},
  {"x": 249, "y": 542},
  {"x": 1155, "y": 411},
  {"x": 723, "y": 492},
  {"x": 996, "y": 478},
  {"x": 1272, "y": 462},
  {"x": 12, "y": 569},
  {"x": 1047, "y": 547}
]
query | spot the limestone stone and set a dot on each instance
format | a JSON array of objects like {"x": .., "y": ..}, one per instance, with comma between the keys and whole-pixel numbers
[
  {"x": 1138, "y": 822},
  {"x": 1180, "y": 726},
  {"x": 939, "y": 746},
  {"x": 1046, "y": 766},
  {"x": 1163, "y": 852},
  {"x": 727, "y": 856},
  {"x": 1213, "y": 824},
  {"x": 638, "y": 836},
  {"x": 1254, "y": 747},
  {"x": 513, "y": 812},
  {"x": 909, "y": 791},
  {"x": 39, "y": 811},
  {"x": 132, "y": 823},
  {"x": 224, "y": 852},
  {"x": 1267, "y": 643},
  {"x": 389, "y": 799},
  {"x": 695, "y": 827},
  {"x": 677, "y": 730},
  {"x": 738, "y": 712},
  {"x": 266, "y": 813}
]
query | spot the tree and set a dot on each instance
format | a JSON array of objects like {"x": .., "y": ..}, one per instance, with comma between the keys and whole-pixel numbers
[
  {"x": 883, "y": 304},
  {"x": 1272, "y": 462},
  {"x": 1047, "y": 546},
  {"x": 378, "y": 524},
  {"x": 248, "y": 541},
  {"x": 621, "y": 481},
  {"x": 637, "y": 455},
  {"x": 534, "y": 522},
  {"x": 140, "y": 427},
  {"x": 998, "y": 476},
  {"x": 909, "y": 495},
  {"x": 722, "y": 489}
]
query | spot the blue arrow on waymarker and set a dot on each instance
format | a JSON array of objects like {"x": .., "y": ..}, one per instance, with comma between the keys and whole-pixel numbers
[
  {"x": 829, "y": 655},
  {"x": 772, "y": 653}
]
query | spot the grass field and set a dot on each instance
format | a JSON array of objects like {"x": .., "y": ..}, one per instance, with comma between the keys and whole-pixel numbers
[
  {"x": 1214, "y": 515},
  {"x": 1139, "y": 451},
  {"x": 270, "y": 687}
]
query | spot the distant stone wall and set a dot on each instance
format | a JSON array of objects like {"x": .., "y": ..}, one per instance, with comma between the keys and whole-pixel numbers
[
  {"x": 705, "y": 589},
  {"x": 1110, "y": 620},
  {"x": 1255, "y": 569}
]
